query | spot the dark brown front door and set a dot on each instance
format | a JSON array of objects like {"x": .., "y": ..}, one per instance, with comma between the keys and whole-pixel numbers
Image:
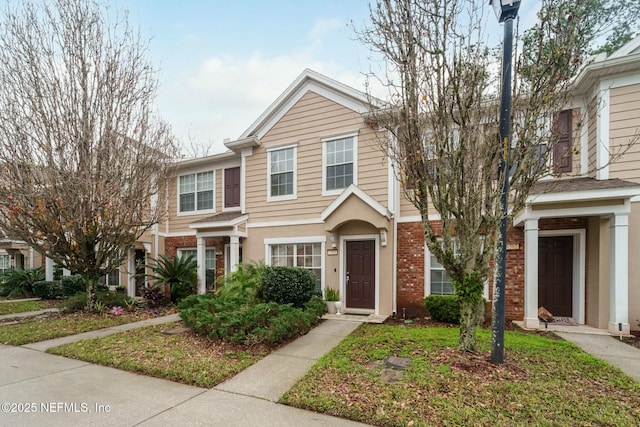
[
  {"x": 361, "y": 274},
  {"x": 555, "y": 274}
]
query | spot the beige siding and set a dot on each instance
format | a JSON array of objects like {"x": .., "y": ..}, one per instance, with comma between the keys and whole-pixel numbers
[
  {"x": 406, "y": 207},
  {"x": 624, "y": 128},
  {"x": 180, "y": 223},
  {"x": 309, "y": 121}
]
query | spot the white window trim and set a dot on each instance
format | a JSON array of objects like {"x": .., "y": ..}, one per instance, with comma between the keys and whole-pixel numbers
[
  {"x": 232, "y": 208},
  {"x": 212, "y": 248},
  {"x": 195, "y": 211},
  {"x": 299, "y": 241},
  {"x": 427, "y": 276},
  {"x": 337, "y": 191},
  {"x": 293, "y": 196}
]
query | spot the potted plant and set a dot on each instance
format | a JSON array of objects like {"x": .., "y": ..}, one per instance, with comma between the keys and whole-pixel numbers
[{"x": 331, "y": 296}]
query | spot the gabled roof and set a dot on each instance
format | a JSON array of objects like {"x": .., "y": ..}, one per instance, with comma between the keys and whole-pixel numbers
[
  {"x": 624, "y": 60},
  {"x": 313, "y": 81},
  {"x": 223, "y": 219},
  {"x": 357, "y": 192}
]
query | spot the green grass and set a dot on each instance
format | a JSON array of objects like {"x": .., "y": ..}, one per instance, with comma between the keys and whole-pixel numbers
[
  {"x": 546, "y": 382},
  {"x": 185, "y": 358},
  {"x": 20, "y": 307},
  {"x": 59, "y": 326}
]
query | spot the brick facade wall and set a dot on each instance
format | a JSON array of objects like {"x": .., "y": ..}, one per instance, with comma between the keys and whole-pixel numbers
[
  {"x": 411, "y": 274},
  {"x": 172, "y": 244}
]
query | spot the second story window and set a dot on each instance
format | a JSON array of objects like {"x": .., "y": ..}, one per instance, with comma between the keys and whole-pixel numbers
[
  {"x": 196, "y": 192},
  {"x": 339, "y": 163},
  {"x": 282, "y": 173}
]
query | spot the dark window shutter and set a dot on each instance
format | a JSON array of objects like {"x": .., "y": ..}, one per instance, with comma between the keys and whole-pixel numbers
[
  {"x": 232, "y": 187},
  {"x": 562, "y": 152}
]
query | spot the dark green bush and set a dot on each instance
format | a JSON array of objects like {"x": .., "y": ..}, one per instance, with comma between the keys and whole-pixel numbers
[
  {"x": 48, "y": 290},
  {"x": 443, "y": 308},
  {"x": 18, "y": 282},
  {"x": 73, "y": 284},
  {"x": 221, "y": 318},
  {"x": 289, "y": 285}
]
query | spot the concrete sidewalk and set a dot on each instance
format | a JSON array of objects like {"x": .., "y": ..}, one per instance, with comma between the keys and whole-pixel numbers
[
  {"x": 42, "y": 389},
  {"x": 608, "y": 348}
]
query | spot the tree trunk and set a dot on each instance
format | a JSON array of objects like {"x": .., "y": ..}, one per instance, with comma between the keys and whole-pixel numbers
[
  {"x": 92, "y": 293},
  {"x": 471, "y": 315}
]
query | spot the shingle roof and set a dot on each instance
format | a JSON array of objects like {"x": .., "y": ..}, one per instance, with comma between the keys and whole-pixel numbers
[{"x": 580, "y": 184}]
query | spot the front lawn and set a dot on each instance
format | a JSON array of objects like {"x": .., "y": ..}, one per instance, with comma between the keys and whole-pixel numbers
[
  {"x": 543, "y": 382},
  {"x": 62, "y": 325},
  {"x": 186, "y": 357},
  {"x": 11, "y": 307}
]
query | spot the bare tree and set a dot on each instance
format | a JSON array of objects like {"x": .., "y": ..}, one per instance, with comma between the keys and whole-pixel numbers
[
  {"x": 84, "y": 160},
  {"x": 443, "y": 117}
]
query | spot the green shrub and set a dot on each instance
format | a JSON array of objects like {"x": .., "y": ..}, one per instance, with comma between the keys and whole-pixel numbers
[
  {"x": 180, "y": 274},
  {"x": 221, "y": 318},
  {"x": 73, "y": 284},
  {"x": 243, "y": 285},
  {"x": 48, "y": 290},
  {"x": 289, "y": 285},
  {"x": 15, "y": 283},
  {"x": 443, "y": 308},
  {"x": 78, "y": 302}
]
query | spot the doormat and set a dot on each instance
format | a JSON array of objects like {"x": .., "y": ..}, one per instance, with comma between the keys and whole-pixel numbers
[{"x": 563, "y": 321}]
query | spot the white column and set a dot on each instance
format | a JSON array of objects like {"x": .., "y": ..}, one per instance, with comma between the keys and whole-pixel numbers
[
  {"x": 531, "y": 274},
  {"x": 66, "y": 272},
  {"x": 234, "y": 253},
  {"x": 48, "y": 270},
  {"x": 131, "y": 288},
  {"x": 619, "y": 275},
  {"x": 202, "y": 266}
]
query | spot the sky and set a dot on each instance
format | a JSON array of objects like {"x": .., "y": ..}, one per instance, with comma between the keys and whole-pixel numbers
[{"x": 222, "y": 63}]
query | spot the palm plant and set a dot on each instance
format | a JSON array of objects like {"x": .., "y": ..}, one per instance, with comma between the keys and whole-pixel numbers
[
  {"x": 18, "y": 282},
  {"x": 243, "y": 285},
  {"x": 179, "y": 274}
]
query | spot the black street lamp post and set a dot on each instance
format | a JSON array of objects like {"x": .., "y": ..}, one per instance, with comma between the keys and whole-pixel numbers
[{"x": 506, "y": 11}]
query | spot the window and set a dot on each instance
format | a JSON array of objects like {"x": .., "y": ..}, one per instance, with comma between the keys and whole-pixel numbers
[
  {"x": 339, "y": 163},
  {"x": 232, "y": 187},
  {"x": 5, "y": 262},
  {"x": 305, "y": 255},
  {"x": 439, "y": 280},
  {"x": 196, "y": 192},
  {"x": 112, "y": 278},
  {"x": 209, "y": 262},
  {"x": 281, "y": 167}
]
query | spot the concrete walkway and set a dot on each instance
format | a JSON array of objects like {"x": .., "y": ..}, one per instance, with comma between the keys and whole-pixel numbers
[
  {"x": 37, "y": 388},
  {"x": 608, "y": 348}
]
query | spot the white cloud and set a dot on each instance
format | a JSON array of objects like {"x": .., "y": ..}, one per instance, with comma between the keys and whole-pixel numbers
[{"x": 225, "y": 94}]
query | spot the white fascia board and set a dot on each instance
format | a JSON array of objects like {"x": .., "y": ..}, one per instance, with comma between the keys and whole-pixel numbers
[
  {"x": 218, "y": 224},
  {"x": 356, "y": 191},
  {"x": 577, "y": 196}
]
